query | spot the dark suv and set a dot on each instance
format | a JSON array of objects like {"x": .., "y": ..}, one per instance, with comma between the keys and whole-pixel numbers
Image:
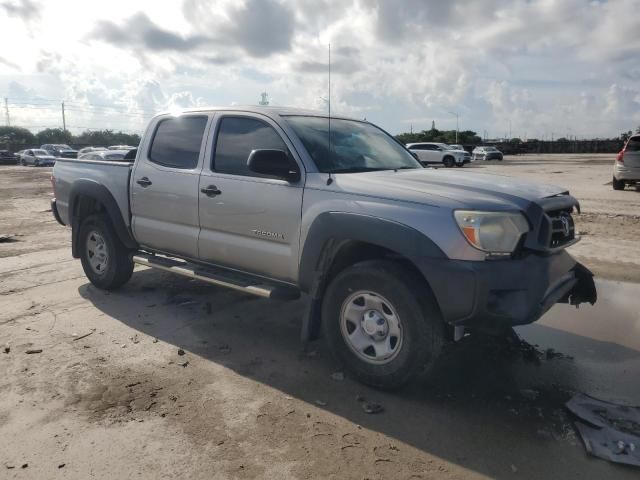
[{"x": 60, "y": 150}]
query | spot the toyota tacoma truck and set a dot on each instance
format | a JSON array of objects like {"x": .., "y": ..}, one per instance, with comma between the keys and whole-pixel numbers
[{"x": 393, "y": 259}]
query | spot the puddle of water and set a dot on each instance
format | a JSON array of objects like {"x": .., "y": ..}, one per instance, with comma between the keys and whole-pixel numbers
[{"x": 614, "y": 318}]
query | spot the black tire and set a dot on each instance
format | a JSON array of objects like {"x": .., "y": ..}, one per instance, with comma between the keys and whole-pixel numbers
[
  {"x": 423, "y": 331},
  {"x": 118, "y": 265},
  {"x": 449, "y": 162},
  {"x": 618, "y": 184}
]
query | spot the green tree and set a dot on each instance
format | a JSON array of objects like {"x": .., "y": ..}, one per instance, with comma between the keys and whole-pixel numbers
[
  {"x": 16, "y": 138},
  {"x": 54, "y": 135},
  {"x": 105, "y": 138},
  {"x": 467, "y": 137}
]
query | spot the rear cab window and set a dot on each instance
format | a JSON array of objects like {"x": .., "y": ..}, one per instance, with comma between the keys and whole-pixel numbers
[
  {"x": 633, "y": 145},
  {"x": 176, "y": 142}
]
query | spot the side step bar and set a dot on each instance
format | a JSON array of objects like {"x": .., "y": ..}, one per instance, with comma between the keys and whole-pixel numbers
[{"x": 219, "y": 276}]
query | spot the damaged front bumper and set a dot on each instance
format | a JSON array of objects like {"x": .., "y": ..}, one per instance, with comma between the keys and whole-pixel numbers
[{"x": 496, "y": 295}]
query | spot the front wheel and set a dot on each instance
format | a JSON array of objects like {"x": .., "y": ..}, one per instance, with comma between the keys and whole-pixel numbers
[
  {"x": 618, "y": 184},
  {"x": 105, "y": 259},
  {"x": 449, "y": 162},
  {"x": 381, "y": 322}
]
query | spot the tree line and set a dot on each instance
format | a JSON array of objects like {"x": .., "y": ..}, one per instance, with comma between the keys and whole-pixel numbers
[{"x": 18, "y": 138}]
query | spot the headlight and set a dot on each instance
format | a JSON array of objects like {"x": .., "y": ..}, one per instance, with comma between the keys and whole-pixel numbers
[{"x": 492, "y": 232}]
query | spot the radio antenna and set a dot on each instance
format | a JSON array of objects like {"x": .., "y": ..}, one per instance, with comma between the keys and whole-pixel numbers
[{"x": 330, "y": 179}]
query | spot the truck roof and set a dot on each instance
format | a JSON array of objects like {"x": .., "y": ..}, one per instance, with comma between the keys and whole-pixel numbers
[{"x": 264, "y": 110}]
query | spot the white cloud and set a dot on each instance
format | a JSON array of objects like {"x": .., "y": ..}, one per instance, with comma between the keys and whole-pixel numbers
[{"x": 541, "y": 66}]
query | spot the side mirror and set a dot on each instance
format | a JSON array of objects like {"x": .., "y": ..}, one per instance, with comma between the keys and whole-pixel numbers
[{"x": 273, "y": 163}]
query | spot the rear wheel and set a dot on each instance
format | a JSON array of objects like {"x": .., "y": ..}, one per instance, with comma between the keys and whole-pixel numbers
[
  {"x": 618, "y": 184},
  {"x": 105, "y": 260},
  {"x": 381, "y": 322},
  {"x": 449, "y": 162}
]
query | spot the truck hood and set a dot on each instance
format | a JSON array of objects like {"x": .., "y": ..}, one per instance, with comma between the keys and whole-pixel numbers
[{"x": 455, "y": 189}]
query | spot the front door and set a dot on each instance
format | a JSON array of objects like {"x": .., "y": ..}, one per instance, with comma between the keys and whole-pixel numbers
[
  {"x": 164, "y": 186},
  {"x": 249, "y": 222}
]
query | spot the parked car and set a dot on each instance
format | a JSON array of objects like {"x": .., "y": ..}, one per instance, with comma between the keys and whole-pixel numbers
[
  {"x": 37, "y": 157},
  {"x": 84, "y": 150},
  {"x": 105, "y": 155},
  {"x": 626, "y": 168},
  {"x": 486, "y": 153},
  {"x": 18, "y": 156},
  {"x": 436, "y": 153},
  {"x": 60, "y": 150},
  {"x": 460, "y": 148},
  {"x": 7, "y": 158},
  {"x": 395, "y": 259},
  {"x": 121, "y": 147}
]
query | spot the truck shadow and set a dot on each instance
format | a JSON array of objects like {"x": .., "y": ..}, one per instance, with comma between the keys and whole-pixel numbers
[{"x": 492, "y": 406}]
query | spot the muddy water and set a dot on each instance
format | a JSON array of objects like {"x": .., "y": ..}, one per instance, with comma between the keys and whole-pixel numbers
[{"x": 604, "y": 341}]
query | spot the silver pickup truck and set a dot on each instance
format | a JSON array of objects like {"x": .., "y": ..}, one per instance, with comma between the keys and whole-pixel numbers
[{"x": 394, "y": 259}]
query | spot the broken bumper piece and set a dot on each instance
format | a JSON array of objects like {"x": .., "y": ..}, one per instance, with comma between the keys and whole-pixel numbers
[{"x": 496, "y": 295}]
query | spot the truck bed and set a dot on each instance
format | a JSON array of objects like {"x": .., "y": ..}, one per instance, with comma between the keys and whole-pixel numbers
[{"x": 114, "y": 175}]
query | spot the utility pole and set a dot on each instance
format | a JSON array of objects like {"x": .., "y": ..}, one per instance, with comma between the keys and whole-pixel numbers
[
  {"x": 6, "y": 111},
  {"x": 64, "y": 121},
  {"x": 457, "y": 126}
]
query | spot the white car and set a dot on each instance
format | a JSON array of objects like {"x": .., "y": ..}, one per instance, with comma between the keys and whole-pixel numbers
[
  {"x": 37, "y": 157},
  {"x": 121, "y": 147},
  {"x": 84, "y": 150},
  {"x": 486, "y": 153},
  {"x": 626, "y": 168},
  {"x": 108, "y": 155},
  {"x": 437, "y": 153},
  {"x": 460, "y": 148}
]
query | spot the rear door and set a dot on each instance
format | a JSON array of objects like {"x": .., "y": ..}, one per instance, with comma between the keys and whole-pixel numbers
[
  {"x": 421, "y": 151},
  {"x": 164, "y": 185},
  {"x": 252, "y": 223},
  {"x": 632, "y": 153}
]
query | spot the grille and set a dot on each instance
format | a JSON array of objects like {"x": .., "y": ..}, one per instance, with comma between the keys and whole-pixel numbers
[{"x": 563, "y": 229}]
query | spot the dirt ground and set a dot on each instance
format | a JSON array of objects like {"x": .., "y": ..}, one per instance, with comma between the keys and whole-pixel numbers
[{"x": 171, "y": 378}]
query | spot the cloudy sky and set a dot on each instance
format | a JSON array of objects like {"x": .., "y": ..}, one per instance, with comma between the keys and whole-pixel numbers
[{"x": 537, "y": 67}]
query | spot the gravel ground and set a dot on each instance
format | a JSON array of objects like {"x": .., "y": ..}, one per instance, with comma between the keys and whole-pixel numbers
[{"x": 171, "y": 378}]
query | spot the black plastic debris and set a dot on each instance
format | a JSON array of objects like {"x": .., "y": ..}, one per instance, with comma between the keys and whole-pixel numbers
[{"x": 608, "y": 430}]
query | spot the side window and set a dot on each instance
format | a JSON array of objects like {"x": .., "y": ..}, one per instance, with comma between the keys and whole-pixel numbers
[
  {"x": 177, "y": 141},
  {"x": 418, "y": 147},
  {"x": 633, "y": 145},
  {"x": 237, "y": 136}
]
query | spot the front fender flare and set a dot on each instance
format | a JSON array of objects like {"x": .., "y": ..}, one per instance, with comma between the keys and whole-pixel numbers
[{"x": 329, "y": 232}]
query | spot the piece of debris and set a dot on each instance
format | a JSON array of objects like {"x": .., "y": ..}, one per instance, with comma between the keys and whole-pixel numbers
[
  {"x": 33, "y": 350},
  {"x": 155, "y": 340},
  {"x": 24, "y": 465},
  {"x": 184, "y": 364},
  {"x": 7, "y": 237},
  {"x": 180, "y": 352},
  {"x": 337, "y": 376},
  {"x": 135, "y": 339},
  {"x": 369, "y": 407},
  {"x": 529, "y": 393},
  {"x": 7, "y": 349},
  {"x": 608, "y": 430},
  {"x": 321, "y": 403},
  {"x": 224, "y": 348},
  {"x": 85, "y": 335},
  {"x": 133, "y": 384},
  {"x": 61, "y": 465}
]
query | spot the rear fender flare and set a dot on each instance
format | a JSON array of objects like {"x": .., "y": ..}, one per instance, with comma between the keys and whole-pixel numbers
[{"x": 98, "y": 192}]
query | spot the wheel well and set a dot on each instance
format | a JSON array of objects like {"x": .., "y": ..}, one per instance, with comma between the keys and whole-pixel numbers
[
  {"x": 85, "y": 205},
  {"x": 347, "y": 254},
  {"x": 352, "y": 252}
]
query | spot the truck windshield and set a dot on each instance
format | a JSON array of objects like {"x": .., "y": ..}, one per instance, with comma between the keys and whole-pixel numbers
[{"x": 355, "y": 146}]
